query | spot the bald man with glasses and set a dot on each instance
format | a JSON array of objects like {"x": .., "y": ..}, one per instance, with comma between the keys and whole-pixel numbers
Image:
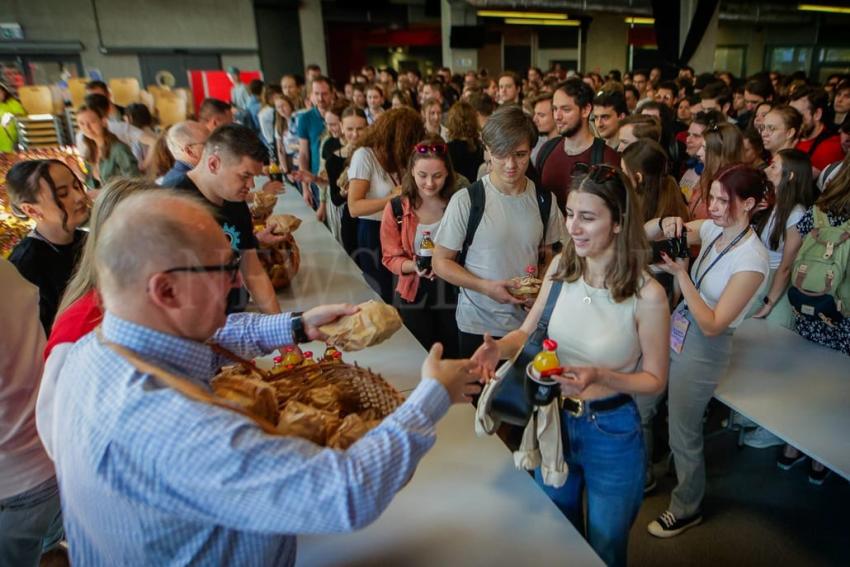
[{"x": 150, "y": 471}]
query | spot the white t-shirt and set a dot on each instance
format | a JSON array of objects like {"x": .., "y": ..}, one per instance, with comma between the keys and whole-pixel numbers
[
  {"x": 505, "y": 244},
  {"x": 433, "y": 228},
  {"x": 22, "y": 458},
  {"x": 775, "y": 256},
  {"x": 364, "y": 165},
  {"x": 749, "y": 255},
  {"x": 266, "y": 118}
]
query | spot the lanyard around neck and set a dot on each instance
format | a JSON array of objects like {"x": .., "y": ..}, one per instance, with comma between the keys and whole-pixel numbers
[{"x": 729, "y": 247}]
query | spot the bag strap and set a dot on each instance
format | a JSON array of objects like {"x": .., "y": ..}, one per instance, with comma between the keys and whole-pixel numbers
[
  {"x": 825, "y": 133},
  {"x": 545, "y": 151},
  {"x": 535, "y": 342},
  {"x": 597, "y": 151},
  {"x": 398, "y": 210},
  {"x": 819, "y": 217},
  {"x": 182, "y": 385},
  {"x": 477, "y": 202}
]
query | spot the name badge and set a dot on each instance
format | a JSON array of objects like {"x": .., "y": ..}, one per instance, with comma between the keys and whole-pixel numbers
[{"x": 678, "y": 331}]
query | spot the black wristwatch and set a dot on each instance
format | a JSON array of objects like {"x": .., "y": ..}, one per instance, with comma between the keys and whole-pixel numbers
[{"x": 298, "y": 333}]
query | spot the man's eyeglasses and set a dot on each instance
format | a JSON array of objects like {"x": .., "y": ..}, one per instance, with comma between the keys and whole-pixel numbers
[
  {"x": 231, "y": 267},
  {"x": 439, "y": 149}
]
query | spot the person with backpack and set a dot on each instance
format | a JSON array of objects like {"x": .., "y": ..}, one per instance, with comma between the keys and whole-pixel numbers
[
  {"x": 493, "y": 230},
  {"x": 572, "y": 104},
  {"x": 426, "y": 303},
  {"x": 727, "y": 277},
  {"x": 610, "y": 321},
  {"x": 820, "y": 286}
]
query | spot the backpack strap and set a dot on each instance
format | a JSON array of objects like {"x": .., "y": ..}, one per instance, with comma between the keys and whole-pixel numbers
[
  {"x": 819, "y": 217},
  {"x": 534, "y": 342},
  {"x": 398, "y": 210},
  {"x": 826, "y": 133},
  {"x": 476, "y": 213},
  {"x": 545, "y": 151},
  {"x": 597, "y": 151},
  {"x": 544, "y": 204}
]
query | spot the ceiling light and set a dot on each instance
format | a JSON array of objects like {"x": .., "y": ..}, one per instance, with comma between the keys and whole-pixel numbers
[
  {"x": 640, "y": 21},
  {"x": 532, "y": 15},
  {"x": 530, "y": 22},
  {"x": 821, "y": 8}
]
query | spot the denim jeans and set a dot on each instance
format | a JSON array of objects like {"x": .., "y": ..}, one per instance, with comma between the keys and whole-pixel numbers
[
  {"x": 30, "y": 523},
  {"x": 604, "y": 453}
]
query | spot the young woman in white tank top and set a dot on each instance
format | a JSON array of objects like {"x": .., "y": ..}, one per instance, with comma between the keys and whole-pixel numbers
[{"x": 611, "y": 323}]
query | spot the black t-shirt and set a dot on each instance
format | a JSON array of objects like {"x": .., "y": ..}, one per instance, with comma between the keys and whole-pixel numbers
[
  {"x": 466, "y": 161},
  {"x": 235, "y": 220},
  {"x": 234, "y": 217},
  {"x": 49, "y": 267},
  {"x": 334, "y": 166}
]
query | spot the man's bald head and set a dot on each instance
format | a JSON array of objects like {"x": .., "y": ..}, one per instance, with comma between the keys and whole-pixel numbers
[
  {"x": 186, "y": 141},
  {"x": 150, "y": 232}
]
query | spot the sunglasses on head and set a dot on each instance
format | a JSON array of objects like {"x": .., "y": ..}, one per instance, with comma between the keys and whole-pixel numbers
[
  {"x": 439, "y": 149},
  {"x": 598, "y": 173}
]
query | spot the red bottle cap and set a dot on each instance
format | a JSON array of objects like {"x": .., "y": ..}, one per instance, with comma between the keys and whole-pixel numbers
[
  {"x": 337, "y": 354},
  {"x": 308, "y": 354},
  {"x": 530, "y": 270},
  {"x": 550, "y": 345},
  {"x": 278, "y": 359}
]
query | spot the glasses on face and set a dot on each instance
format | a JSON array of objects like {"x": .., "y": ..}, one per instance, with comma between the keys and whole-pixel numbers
[
  {"x": 232, "y": 267},
  {"x": 439, "y": 149},
  {"x": 769, "y": 128}
]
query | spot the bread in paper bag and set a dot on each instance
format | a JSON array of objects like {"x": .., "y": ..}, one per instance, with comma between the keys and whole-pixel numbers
[
  {"x": 372, "y": 325},
  {"x": 252, "y": 394},
  {"x": 283, "y": 224}
]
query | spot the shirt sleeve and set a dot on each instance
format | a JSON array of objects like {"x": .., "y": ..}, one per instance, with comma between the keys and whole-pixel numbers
[
  {"x": 754, "y": 260},
  {"x": 555, "y": 228},
  {"x": 302, "y": 128},
  {"x": 254, "y": 334},
  {"x": 361, "y": 166},
  {"x": 453, "y": 226},
  {"x": 242, "y": 478},
  {"x": 807, "y": 223}
]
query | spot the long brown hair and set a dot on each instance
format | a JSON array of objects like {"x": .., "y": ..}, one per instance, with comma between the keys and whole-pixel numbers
[
  {"x": 658, "y": 192},
  {"x": 162, "y": 159},
  {"x": 724, "y": 145},
  {"x": 409, "y": 188},
  {"x": 835, "y": 198},
  {"x": 108, "y": 137},
  {"x": 113, "y": 193},
  {"x": 392, "y": 137},
  {"x": 795, "y": 188},
  {"x": 625, "y": 275}
]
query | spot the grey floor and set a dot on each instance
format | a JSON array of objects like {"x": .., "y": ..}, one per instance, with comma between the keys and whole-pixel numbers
[{"x": 754, "y": 514}]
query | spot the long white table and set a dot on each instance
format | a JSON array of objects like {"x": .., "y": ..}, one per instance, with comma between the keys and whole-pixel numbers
[
  {"x": 466, "y": 504},
  {"x": 797, "y": 390}
]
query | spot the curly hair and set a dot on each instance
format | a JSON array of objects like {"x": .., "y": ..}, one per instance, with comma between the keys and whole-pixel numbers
[
  {"x": 392, "y": 137},
  {"x": 462, "y": 124}
]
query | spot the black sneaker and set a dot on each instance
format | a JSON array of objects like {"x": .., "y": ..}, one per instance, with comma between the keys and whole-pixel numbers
[
  {"x": 818, "y": 477},
  {"x": 667, "y": 525},
  {"x": 786, "y": 463}
]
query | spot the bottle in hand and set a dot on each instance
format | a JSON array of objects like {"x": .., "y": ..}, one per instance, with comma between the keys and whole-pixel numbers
[
  {"x": 426, "y": 250},
  {"x": 274, "y": 171}
]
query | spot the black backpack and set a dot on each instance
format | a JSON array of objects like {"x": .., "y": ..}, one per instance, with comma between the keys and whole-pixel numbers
[{"x": 476, "y": 213}]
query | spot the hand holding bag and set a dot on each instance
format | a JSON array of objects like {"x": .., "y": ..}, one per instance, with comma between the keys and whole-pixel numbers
[{"x": 508, "y": 401}]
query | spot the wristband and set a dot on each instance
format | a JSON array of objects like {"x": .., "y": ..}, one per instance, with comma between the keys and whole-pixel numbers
[{"x": 299, "y": 335}]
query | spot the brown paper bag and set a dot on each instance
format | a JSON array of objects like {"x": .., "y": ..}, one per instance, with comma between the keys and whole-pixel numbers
[{"x": 372, "y": 325}]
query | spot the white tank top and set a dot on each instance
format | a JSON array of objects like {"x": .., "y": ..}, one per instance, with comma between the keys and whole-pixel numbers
[{"x": 598, "y": 333}]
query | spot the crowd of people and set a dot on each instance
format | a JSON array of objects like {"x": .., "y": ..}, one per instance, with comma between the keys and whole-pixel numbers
[{"x": 660, "y": 213}]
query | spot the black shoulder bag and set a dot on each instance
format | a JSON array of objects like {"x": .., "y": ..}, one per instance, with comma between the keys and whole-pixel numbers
[{"x": 508, "y": 402}]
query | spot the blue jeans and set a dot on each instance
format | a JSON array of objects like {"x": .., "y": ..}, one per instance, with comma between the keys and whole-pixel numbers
[
  {"x": 605, "y": 457},
  {"x": 30, "y": 523}
]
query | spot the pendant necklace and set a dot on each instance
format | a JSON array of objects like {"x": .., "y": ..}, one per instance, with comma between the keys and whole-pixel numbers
[{"x": 588, "y": 295}]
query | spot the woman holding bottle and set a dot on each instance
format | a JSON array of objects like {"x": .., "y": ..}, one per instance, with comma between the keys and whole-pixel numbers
[
  {"x": 425, "y": 302},
  {"x": 611, "y": 323}
]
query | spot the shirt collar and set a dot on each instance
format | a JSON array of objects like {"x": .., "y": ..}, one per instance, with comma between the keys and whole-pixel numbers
[{"x": 182, "y": 356}]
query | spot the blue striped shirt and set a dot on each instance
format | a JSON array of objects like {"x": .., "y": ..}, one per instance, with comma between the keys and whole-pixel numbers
[{"x": 151, "y": 477}]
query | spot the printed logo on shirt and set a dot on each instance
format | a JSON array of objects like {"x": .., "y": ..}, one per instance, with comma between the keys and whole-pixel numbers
[{"x": 232, "y": 234}]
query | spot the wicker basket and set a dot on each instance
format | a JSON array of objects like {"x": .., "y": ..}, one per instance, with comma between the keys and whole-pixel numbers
[{"x": 371, "y": 390}]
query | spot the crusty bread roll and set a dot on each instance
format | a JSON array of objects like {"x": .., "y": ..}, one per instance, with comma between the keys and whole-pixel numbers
[
  {"x": 300, "y": 420},
  {"x": 526, "y": 286}
]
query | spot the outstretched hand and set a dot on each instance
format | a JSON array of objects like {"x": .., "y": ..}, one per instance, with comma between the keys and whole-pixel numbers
[
  {"x": 322, "y": 315},
  {"x": 487, "y": 356},
  {"x": 460, "y": 378}
]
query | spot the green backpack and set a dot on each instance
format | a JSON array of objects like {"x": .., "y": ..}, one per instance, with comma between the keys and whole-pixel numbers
[{"x": 820, "y": 278}]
